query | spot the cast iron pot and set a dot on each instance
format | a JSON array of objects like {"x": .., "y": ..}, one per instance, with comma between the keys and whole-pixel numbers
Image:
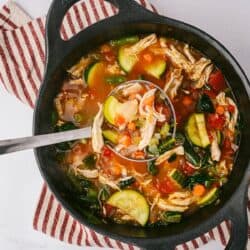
[{"x": 134, "y": 19}]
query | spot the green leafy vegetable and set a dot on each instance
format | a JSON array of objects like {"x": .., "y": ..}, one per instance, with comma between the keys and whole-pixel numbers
[
  {"x": 117, "y": 79},
  {"x": 171, "y": 217},
  {"x": 152, "y": 168},
  {"x": 191, "y": 155},
  {"x": 172, "y": 158},
  {"x": 201, "y": 178},
  {"x": 126, "y": 182},
  {"x": 124, "y": 40},
  {"x": 205, "y": 104},
  {"x": 90, "y": 161},
  {"x": 166, "y": 145}
]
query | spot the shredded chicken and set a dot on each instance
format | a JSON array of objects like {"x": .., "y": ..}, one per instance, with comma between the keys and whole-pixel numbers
[
  {"x": 105, "y": 181},
  {"x": 132, "y": 89},
  {"x": 97, "y": 139},
  {"x": 142, "y": 44},
  {"x": 215, "y": 149},
  {"x": 178, "y": 58},
  {"x": 231, "y": 120},
  {"x": 173, "y": 82},
  {"x": 234, "y": 118},
  {"x": 147, "y": 131},
  {"x": 115, "y": 69},
  {"x": 221, "y": 169},
  {"x": 145, "y": 110},
  {"x": 197, "y": 68},
  {"x": 91, "y": 174},
  {"x": 181, "y": 198},
  {"x": 178, "y": 150},
  {"x": 204, "y": 77},
  {"x": 168, "y": 206},
  {"x": 77, "y": 70},
  {"x": 188, "y": 53}
]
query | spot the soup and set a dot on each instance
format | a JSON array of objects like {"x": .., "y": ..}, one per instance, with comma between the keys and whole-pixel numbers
[{"x": 188, "y": 169}]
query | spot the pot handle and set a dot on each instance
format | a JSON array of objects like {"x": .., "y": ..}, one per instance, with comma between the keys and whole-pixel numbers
[
  {"x": 55, "y": 45},
  {"x": 237, "y": 214}
]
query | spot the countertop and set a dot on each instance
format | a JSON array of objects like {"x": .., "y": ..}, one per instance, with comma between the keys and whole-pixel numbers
[{"x": 20, "y": 180}]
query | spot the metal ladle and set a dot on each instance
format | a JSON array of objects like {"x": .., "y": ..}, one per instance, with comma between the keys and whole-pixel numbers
[{"x": 19, "y": 144}]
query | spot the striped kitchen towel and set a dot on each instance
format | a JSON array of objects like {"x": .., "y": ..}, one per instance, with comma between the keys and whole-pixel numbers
[{"x": 22, "y": 58}]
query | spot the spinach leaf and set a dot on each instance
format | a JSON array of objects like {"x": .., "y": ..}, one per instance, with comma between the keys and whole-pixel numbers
[{"x": 205, "y": 104}]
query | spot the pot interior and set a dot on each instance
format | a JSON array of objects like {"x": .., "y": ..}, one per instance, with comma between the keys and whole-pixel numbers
[{"x": 57, "y": 180}]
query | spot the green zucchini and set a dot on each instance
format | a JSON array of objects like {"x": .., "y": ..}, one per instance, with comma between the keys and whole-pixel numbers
[
  {"x": 111, "y": 135},
  {"x": 131, "y": 203},
  {"x": 196, "y": 130},
  {"x": 124, "y": 40},
  {"x": 126, "y": 60},
  {"x": 91, "y": 71},
  {"x": 209, "y": 198},
  {"x": 171, "y": 217},
  {"x": 177, "y": 177},
  {"x": 156, "y": 68},
  {"x": 109, "y": 109}
]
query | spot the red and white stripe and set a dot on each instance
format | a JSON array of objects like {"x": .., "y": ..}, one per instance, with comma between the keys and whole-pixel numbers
[{"x": 22, "y": 57}]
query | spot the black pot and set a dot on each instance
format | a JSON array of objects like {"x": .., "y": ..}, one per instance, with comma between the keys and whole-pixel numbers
[{"x": 134, "y": 19}]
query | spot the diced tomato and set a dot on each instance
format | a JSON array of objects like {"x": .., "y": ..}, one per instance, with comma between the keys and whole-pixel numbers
[
  {"x": 166, "y": 186},
  {"x": 217, "y": 81},
  {"x": 107, "y": 152},
  {"x": 210, "y": 93},
  {"x": 187, "y": 169},
  {"x": 231, "y": 108},
  {"x": 215, "y": 121},
  {"x": 109, "y": 210},
  {"x": 227, "y": 147}
]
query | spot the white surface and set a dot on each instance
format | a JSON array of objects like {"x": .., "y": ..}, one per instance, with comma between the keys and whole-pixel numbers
[{"x": 20, "y": 181}]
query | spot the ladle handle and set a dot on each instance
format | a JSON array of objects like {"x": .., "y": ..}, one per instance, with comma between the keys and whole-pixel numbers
[{"x": 19, "y": 144}]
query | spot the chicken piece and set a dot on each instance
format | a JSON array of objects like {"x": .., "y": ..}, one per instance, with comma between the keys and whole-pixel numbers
[
  {"x": 198, "y": 68},
  {"x": 222, "y": 169},
  {"x": 215, "y": 149},
  {"x": 204, "y": 77},
  {"x": 147, "y": 131},
  {"x": 188, "y": 54},
  {"x": 234, "y": 118},
  {"x": 115, "y": 69},
  {"x": 68, "y": 104},
  {"x": 178, "y": 150},
  {"x": 91, "y": 174},
  {"x": 146, "y": 109},
  {"x": 178, "y": 58},
  {"x": 163, "y": 42},
  {"x": 105, "y": 181},
  {"x": 132, "y": 89},
  {"x": 181, "y": 198},
  {"x": 142, "y": 44},
  {"x": 173, "y": 82},
  {"x": 97, "y": 139},
  {"x": 77, "y": 70},
  {"x": 168, "y": 206}
]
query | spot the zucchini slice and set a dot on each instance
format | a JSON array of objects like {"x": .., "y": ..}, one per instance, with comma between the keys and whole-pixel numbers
[
  {"x": 111, "y": 135},
  {"x": 196, "y": 130},
  {"x": 91, "y": 71},
  {"x": 201, "y": 125},
  {"x": 126, "y": 61},
  {"x": 209, "y": 198},
  {"x": 131, "y": 203},
  {"x": 109, "y": 109},
  {"x": 177, "y": 177},
  {"x": 156, "y": 68}
]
